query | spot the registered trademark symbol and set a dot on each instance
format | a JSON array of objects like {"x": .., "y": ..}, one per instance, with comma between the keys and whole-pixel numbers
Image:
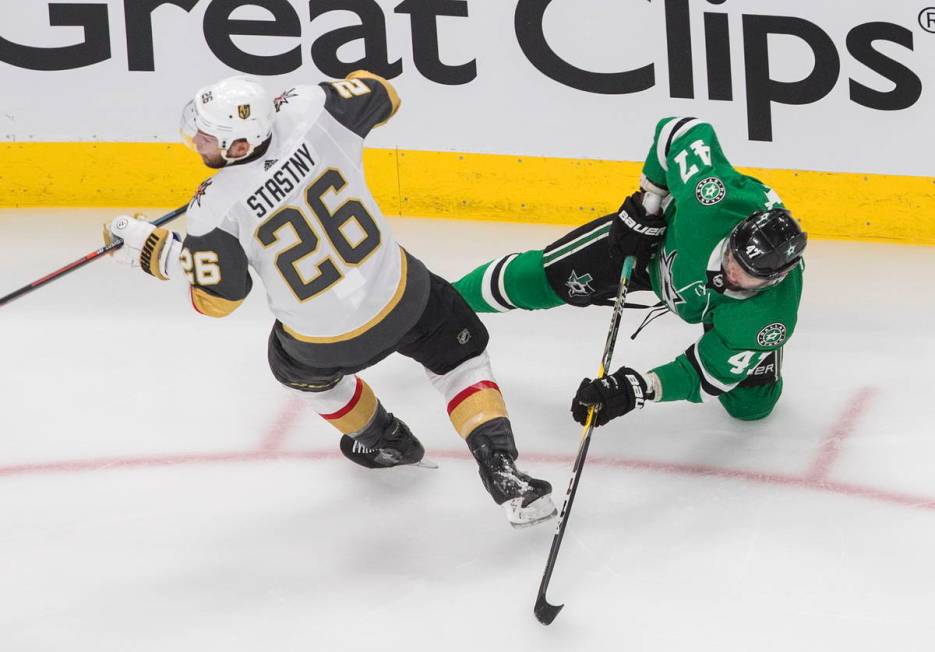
[{"x": 927, "y": 19}]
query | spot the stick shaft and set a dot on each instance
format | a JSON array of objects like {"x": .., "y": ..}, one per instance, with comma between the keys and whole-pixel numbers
[
  {"x": 84, "y": 260},
  {"x": 625, "y": 274}
]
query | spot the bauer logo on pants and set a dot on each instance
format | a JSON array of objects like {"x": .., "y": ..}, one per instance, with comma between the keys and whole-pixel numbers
[{"x": 772, "y": 335}]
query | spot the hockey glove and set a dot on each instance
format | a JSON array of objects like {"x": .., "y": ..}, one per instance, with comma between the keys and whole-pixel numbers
[
  {"x": 634, "y": 232},
  {"x": 152, "y": 249},
  {"x": 612, "y": 396}
]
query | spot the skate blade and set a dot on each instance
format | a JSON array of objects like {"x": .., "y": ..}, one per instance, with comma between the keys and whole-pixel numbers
[
  {"x": 540, "y": 510},
  {"x": 425, "y": 464}
]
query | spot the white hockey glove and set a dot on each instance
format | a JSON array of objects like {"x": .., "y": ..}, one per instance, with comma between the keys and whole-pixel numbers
[
  {"x": 653, "y": 196},
  {"x": 154, "y": 250}
]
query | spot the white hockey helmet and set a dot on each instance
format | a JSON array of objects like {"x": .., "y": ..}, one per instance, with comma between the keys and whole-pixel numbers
[{"x": 232, "y": 109}]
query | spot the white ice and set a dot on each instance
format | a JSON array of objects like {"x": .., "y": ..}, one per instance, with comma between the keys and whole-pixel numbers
[{"x": 159, "y": 491}]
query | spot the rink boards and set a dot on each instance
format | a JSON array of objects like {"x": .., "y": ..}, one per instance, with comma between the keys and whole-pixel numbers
[{"x": 456, "y": 185}]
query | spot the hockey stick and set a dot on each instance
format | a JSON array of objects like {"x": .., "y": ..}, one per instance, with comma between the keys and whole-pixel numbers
[
  {"x": 544, "y": 611},
  {"x": 81, "y": 262}
]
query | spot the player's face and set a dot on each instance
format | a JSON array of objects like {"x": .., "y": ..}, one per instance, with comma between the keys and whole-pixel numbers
[
  {"x": 737, "y": 278},
  {"x": 207, "y": 147}
]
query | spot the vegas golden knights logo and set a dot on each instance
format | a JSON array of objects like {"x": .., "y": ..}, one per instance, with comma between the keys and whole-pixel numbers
[{"x": 243, "y": 111}]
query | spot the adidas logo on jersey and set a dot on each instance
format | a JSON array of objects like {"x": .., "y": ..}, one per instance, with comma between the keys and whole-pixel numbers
[
  {"x": 268, "y": 163},
  {"x": 274, "y": 190}
]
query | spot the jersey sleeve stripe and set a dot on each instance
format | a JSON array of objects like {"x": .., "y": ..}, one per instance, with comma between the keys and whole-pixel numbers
[
  {"x": 211, "y": 304},
  {"x": 490, "y": 284},
  {"x": 710, "y": 385},
  {"x": 662, "y": 143},
  {"x": 672, "y": 130},
  {"x": 683, "y": 127},
  {"x": 390, "y": 90},
  {"x": 584, "y": 240},
  {"x": 499, "y": 289}
]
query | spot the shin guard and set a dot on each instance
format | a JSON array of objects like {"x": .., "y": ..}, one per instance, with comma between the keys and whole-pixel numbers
[{"x": 475, "y": 405}]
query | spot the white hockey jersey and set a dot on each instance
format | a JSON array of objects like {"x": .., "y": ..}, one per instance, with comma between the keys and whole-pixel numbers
[{"x": 301, "y": 215}]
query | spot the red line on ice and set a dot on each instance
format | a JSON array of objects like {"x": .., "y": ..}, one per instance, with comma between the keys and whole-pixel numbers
[
  {"x": 669, "y": 468},
  {"x": 109, "y": 463},
  {"x": 842, "y": 428},
  {"x": 288, "y": 415}
]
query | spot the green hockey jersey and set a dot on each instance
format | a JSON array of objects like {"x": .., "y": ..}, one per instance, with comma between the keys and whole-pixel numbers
[{"x": 707, "y": 198}]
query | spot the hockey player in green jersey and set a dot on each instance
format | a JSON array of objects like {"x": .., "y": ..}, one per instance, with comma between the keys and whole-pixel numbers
[{"x": 716, "y": 246}]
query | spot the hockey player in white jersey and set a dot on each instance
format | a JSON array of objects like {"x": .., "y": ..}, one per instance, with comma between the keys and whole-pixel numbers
[{"x": 290, "y": 201}]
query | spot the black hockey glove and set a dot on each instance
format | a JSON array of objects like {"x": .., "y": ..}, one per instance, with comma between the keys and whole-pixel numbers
[
  {"x": 634, "y": 233},
  {"x": 613, "y": 396}
]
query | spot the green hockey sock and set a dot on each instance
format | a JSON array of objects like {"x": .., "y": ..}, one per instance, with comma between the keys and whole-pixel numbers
[{"x": 508, "y": 282}]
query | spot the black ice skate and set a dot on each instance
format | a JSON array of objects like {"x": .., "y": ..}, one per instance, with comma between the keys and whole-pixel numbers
[
  {"x": 393, "y": 445},
  {"x": 526, "y": 500}
]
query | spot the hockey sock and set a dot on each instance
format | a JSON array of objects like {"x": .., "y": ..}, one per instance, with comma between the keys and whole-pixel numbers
[
  {"x": 472, "y": 396},
  {"x": 350, "y": 406},
  {"x": 512, "y": 281}
]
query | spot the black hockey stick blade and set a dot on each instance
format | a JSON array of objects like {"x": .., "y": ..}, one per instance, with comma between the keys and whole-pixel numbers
[{"x": 545, "y": 612}]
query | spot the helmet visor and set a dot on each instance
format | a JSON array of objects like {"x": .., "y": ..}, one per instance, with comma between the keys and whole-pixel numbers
[{"x": 187, "y": 126}]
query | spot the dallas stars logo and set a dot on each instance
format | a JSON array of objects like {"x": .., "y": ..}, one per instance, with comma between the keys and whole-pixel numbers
[
  {"x": 669, "y": 294},
  {"x": 772, "y": 335},
  {"x": 710, "y": 191},
  {"x": 579, "y": 286},
  {"x": 202, "y": 189}
]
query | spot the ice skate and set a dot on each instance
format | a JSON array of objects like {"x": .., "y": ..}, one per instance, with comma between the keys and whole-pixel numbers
[
  {"x": 525, "y": 500},
  {"x": 395, "y": 446}
]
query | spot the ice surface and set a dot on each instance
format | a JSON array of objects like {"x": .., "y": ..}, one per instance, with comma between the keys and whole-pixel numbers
[{"x": 159, "y": 491}]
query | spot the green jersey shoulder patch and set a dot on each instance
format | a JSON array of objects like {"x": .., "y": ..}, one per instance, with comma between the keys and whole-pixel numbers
[
  {"x": 710, "y": 191},
  {"x": 772, "y": 335}
]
